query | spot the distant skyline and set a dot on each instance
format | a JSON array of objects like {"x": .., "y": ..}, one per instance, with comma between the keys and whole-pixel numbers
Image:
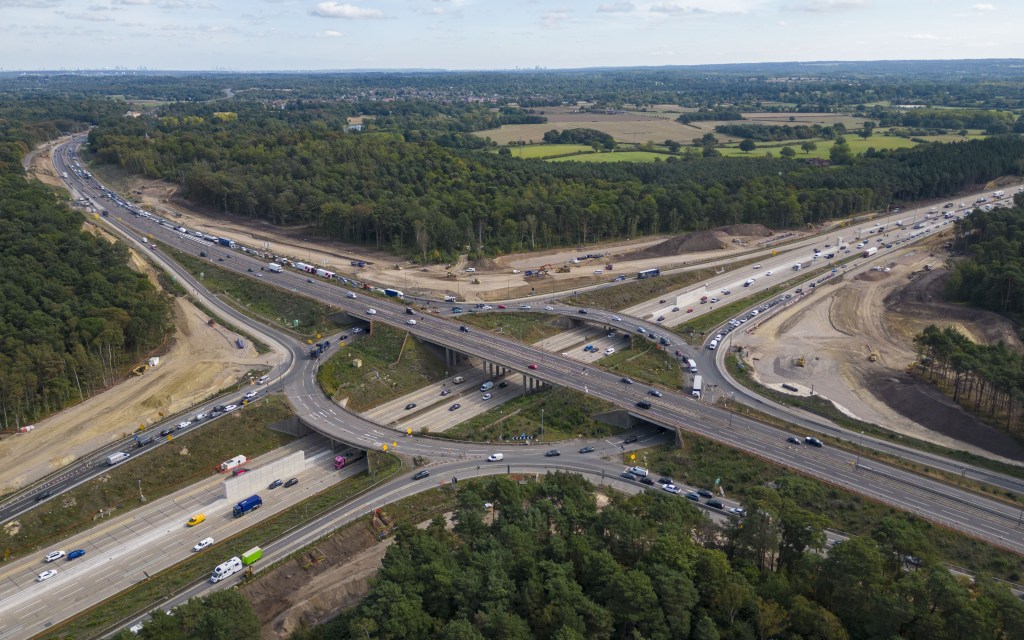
[{"x": 272, "y": 35}]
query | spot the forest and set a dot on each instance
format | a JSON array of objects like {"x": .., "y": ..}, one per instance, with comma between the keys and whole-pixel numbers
[
  {"x": 543, "y": 561},
  {"x": 406, "y": 190},
  {"x": 73, "y": 315}
]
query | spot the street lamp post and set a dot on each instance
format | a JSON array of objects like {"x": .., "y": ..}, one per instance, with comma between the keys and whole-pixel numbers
[
  {"x": 542, "y": 424},
  {"x": 860, "y": 444}
]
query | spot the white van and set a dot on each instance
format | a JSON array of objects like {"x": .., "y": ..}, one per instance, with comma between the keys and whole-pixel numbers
[
  {"x": 486, "y": 386},
  {"x": 458, "y": 380},
  {"x": 263, "y": 380},
  {"x": 638, "y": 471},
  {"x": 713, "y": 345}
]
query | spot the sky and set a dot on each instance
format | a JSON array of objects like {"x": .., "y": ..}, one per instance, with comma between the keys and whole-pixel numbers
[{"x": 271, "y": 35}]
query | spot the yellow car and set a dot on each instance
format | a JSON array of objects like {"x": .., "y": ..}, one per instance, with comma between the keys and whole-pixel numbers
[{"x": 196, "y": 519}]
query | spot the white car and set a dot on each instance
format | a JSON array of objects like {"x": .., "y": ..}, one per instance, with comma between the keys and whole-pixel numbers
[
  {"x": 616, "y": 318},
  {"x": 410, "y": 321},
  {"x": 371, "y": 312},
  {"x": 182, "y": 425},
  {"x": 757, "y": 266},
  {"x": 487, "y": 307},
  {"x": 230, "y": 408},
  {"x": 357, "y": 330},
  {"x": 486, "y": 396},
  {"x": 250, "y": 395},
  {"x": 524, "y": 306},
  {"x": 671, "y": 488},
  {"x": 202, "y": 544},
  {"x": 54, "y": 555},
  {"x": 470, "y": 270},
  {"x": 350, "y": 295},
  {"x": 549, "y": 308},
  {"x": 199, "y": 417},
  {"x": 46, "y": 575},
  {"x": 767, "y": 273},
  {"x": 495, "y": 457},
  {"x": 609, "y": 351}
]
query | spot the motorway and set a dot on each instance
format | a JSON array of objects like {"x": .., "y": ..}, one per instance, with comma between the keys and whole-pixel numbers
[{"x": 965, "y": 511}]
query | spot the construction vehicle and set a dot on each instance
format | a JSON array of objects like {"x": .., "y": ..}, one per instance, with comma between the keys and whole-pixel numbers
[
  {"x": 801, "y": 361},
  {"x": 382, "y": 523},
  {"x": 872, "y": 354},
  {"x": 563, "y": 269}
]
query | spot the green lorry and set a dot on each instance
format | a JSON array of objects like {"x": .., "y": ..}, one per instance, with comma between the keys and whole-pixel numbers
[{"x": 252, "y": 555}]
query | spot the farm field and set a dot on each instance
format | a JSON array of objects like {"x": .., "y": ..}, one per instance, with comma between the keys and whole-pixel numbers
[
  {"x": 549, "y": 150},
  {"x": 857, "y": 145},
  {"x": 616, "y": 156}
]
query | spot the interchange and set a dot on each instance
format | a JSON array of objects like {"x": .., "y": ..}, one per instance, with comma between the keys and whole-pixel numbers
[{"x": 958, "y": 509}]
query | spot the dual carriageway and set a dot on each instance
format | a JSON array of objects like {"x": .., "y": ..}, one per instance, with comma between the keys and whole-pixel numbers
[{"x": 981, "y": 517}]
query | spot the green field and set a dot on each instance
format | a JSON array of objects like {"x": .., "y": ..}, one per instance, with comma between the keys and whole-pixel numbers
[
  {"x": 525, "y": 327},
  {"x": 549, "y": 150},
  {"x": 857, "y": 145},
  {"x": 615, "y": 156}
]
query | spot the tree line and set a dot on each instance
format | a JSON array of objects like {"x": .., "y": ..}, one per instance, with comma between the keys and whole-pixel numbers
[
  {"x": 774, "y": 132},
  {"x": 540, "y": 560},
  {"x": 400, "y": 189},
  {"x": 73, "y": 315}
]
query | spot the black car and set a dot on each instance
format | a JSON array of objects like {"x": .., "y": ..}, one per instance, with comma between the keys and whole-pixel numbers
[
  {"x": 166, "y": 432},
  {"x": 275, "y": 484},
  {"x": 814, "y": 442},
  {"x": 665, "y": 480},
  {"x": 587, "y": 450},
  {"x": 717, "y": 504},
  {"x": 643, "y": 404},
  {"x": 627, "y": 475},
  {"x": 655, "y": 393},
  {"x": 309, "y": 280},
  {"x": 693, "y": 495},
  {"x": 583, "y": 312},
  {"x": 202, "y": 254},
  {"x": 463, "y": 329},
  {"x": 704, "y": 493},
  {"x": 647, "y": 481},
  {"x": 344, "y": 336},
  {"x": 502, "y": 385},
  {"x": 793, "y": 440},
  {"x": 250, "y": 269},
  {"x": 631, "y": 439},
  {"x": 552, "y": 453},
  {"x": 626, "y": 380},
  {"x": 411, "y": 405},
  {"x": 292, "y": 482},
  {"x": 43, "y": 495},
  {"x": 454, "y": 406},
  {"x": 421, "y": 474}
]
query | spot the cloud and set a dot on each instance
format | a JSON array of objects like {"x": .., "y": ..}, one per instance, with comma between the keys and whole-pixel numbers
[
  {"x": 616, "y": 7},
  {"x": 328, "y": 34},
  {"x": 88, "y": 17},
  {"x": 924, "y": 36},
  {"x": 554, "y": 19},
  {"x": 674, "y": 9},
  {"x": 347, "y": 11},
  {"x": 822, "y": 6},
  {"x": 134, "y": 2},
  {"x": 984, "y": 6},
  {"x": 30, "y": 4}
]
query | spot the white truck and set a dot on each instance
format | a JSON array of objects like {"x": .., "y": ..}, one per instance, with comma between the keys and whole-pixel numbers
[
  {"x": 870, "y": 252},
  {"x": 995, "y": 194},
  {"x": 225, "y": 569},
  {"x": 450, "y": 299},
  {"x": 798, "y": 266},
  {"x": 274, "y": 267},
  {"x": 237, "y": 461},
  {"x": 698, "y": 386}
]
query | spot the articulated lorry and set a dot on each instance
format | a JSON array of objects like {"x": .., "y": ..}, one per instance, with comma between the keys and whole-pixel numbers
[{"x": 870, "y": 252}]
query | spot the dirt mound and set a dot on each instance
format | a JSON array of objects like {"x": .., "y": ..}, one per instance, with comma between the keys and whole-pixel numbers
[
  {"x": 699, "y": 241},
  {"x": 315, "y": 587},
  {"x": 926, "y": 405},
  {"x": 871, "y": 276}
]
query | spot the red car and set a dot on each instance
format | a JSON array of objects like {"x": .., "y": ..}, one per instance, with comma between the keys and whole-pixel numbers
[
  {"x": 501, "y": 306},
  {"x": 689, "y": 311},
  {"x": 533, "y": 366}
]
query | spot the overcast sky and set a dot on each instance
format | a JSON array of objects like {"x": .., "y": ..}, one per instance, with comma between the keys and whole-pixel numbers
[{"x": 493, "y": 34}]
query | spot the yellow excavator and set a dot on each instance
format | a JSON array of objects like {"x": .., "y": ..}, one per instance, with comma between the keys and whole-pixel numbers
[{"x": 872, "y": 354}]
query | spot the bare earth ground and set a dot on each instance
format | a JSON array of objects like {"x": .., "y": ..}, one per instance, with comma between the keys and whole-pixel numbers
[
  {"x": 197, "y": 360},
  {"x": 835, "y": 328}
]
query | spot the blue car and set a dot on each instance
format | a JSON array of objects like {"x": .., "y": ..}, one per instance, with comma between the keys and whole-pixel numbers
[{"x": 77, "y": 553}]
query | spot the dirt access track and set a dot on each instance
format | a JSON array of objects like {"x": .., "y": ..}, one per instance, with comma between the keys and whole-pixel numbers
[
  {"x": 194, "y": 364},
  {"x": 823, "y": 341}
]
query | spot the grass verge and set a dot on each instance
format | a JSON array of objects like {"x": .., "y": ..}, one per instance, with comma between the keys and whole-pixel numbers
[
  {"x": 621, "y": 297},
  {"x": 819, "y": 406},
  {"x": 393, "y": 364},
  {"x": 147, "y": 595},
  {"x": 252, "y": 296},
  {"x": 525, "y": 327},
  {"x": 645, "y": 362},
  {"x": 162, "y": 471},
  {"x": 566, "y": 414},
  {"x": 700, "y": 463}
]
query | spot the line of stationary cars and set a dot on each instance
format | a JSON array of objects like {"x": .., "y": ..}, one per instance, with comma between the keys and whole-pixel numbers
[{"x": 643, "y": 476}]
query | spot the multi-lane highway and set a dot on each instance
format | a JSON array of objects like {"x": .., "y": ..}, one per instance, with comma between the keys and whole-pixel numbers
[{"x": 979, "y": 516}]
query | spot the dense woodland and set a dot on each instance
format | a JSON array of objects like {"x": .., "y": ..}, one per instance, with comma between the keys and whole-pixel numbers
[
  {"x": 551, "y": 565},
  {"x": 73, "y": 316},
  {"x": 405, "y": 190}
]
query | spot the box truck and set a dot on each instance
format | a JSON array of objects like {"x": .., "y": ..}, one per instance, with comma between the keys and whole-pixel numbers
[
  {"x": 245, "y": 506},
  {"x": 116, "y": 458},
  {"x": 273, "y": 266},
  {"x": 237, "y": 461},
  {"x": 698, "y": 386},
  {"x": 252, "y": 555},
  {"x": 870, "y": 252}
]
